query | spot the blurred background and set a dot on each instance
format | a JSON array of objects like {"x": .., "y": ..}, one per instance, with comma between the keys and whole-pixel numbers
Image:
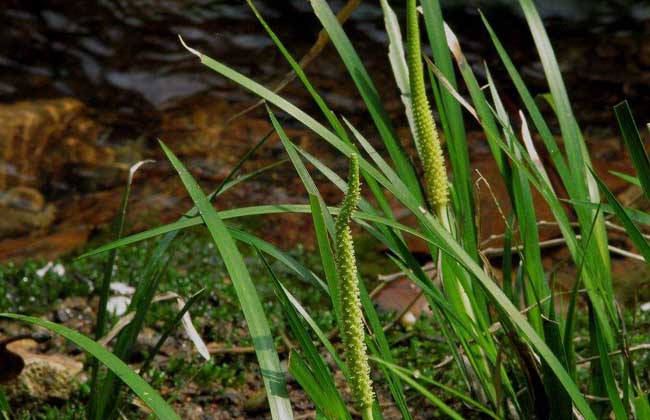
[{"x": 86, "y": 88}]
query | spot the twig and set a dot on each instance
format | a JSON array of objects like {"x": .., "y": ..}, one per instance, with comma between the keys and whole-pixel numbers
[
  {"x": 494, "y": 252},
  {"x": 625, "y": 253},
  {"x": 387, "y": 278},
  {"x": 644, "y": 346}
]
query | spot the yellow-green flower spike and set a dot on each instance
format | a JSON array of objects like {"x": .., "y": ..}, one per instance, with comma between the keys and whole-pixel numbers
[
  {"x": 352, "y": 333},
  {"x": 426, "y": 136}
]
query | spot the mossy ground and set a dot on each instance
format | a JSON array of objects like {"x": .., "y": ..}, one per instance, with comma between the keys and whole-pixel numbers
[{"x": 195, "y": 265}]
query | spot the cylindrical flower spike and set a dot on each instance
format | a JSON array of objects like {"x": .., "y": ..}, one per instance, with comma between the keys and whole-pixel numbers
[
  {"x": 426, "y": 135},
  {"x": 352, "y": 333}
]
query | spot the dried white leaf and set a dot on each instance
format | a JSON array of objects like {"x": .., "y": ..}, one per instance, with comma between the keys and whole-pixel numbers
[
  {"x": 122, "y": 288},
  {"x": 118, "y": 305},
  {"x": 532, "y": 152},
  {"x": 192, "y": 333},
  {"x": 57, "y": 269}
]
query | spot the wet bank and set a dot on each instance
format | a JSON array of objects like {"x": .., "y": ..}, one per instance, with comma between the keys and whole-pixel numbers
[{"x": 134, "y": 83}]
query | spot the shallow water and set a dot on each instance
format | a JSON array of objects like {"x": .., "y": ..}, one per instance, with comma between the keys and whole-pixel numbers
[
  {"x": 122, "y": 59},
  {"x": 124, "y": 55}
]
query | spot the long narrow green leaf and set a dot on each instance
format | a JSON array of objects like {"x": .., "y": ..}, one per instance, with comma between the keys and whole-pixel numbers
[
  {"x": 524, "y": 207},
  {"x": 634, "y": 145},
  {"x": 327, "y": 397},
  {"x": 635, "y": 235},
  {"x": 576, "y": 150},
  {"x": 480, "y": 103},
  {"x": 627, "y": 178},
  {"x": 635, "y": 215},
  {"x": 426, "y": 393},
  {"x": 570, "y": 320},
  {"x": 579, "y": 164},
  {"x": 267, "y": 355},
  {"x": 321, "y": 216},
  {"x": 110, "y": 396},
  {"x": 442, "y": 239},
  {"x": 5, "y": 409},
  {"x": 139, "y": 386},
  {"x": 322, "y": 336},
  {"x": 104, "y": 290},
  {"x": 529, "y": 102},
  {"x": 559, "y": 399},
  {"x": 608, "y": 378},
  {"x": 369, "y": 93},
  {"x": 108, "y": 400},
  {"x": 310, "y": 384},
  {"x": 451, "y": 391},
  {"x": 327, "y": 112},
  {"x": 642, "y": 407}
]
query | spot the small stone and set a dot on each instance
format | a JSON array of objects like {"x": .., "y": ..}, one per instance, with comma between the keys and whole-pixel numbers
[
  {"x": 256, "y": 402},
  {"x": 408, "y": 320},
  {"x": 44, "y": 377}
]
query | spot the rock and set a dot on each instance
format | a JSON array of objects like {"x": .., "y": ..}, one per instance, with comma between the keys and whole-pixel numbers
[
  {"x": 257, "y": 402},
  {"x": 43, "y": 377},
  {"x": 23, "y": 209},
  {"x": 11, "y": 365},
  {"x": 47, "y": 247},
  {"x": 38, "y": 139},
  {"x": 41, "y": 142},
  {"x": 400, "y": 294},
  {"x": 77, "y": 313},
  {"x": 191, "y": 411}
]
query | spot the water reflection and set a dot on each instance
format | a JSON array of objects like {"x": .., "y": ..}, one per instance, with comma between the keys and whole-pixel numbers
[{"x": 122, "y": 61}]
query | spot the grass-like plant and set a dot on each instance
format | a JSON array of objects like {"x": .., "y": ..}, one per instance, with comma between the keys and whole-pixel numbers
[
  {"x": 515, "y": 355},
  {"x": 353, "y": 331}
]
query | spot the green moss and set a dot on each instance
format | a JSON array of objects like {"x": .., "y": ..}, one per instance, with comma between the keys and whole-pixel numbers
[{"x": 217, "y": 316}]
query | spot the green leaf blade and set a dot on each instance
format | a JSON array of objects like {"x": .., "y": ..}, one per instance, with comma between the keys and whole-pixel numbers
[{"x": 258, "y": 326}]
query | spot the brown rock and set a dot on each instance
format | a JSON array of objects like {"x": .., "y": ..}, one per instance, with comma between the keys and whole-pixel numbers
[
  {"x": 39, "y": 138},
  {"x": 43, "y": 377},
  {"x": 48, "y": 247},
  {"x": 399, "y": 295},
  {"x": 23, "y": 209},
  {"x": 39, "y": 142}
]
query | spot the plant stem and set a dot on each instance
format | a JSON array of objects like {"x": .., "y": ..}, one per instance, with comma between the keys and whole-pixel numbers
[{"x": 366, "y": 413}]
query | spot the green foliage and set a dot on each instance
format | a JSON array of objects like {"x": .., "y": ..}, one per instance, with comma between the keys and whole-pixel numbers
[
  {"x": 508, "y": 362},
  {"x": 141, "y": 388}
]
